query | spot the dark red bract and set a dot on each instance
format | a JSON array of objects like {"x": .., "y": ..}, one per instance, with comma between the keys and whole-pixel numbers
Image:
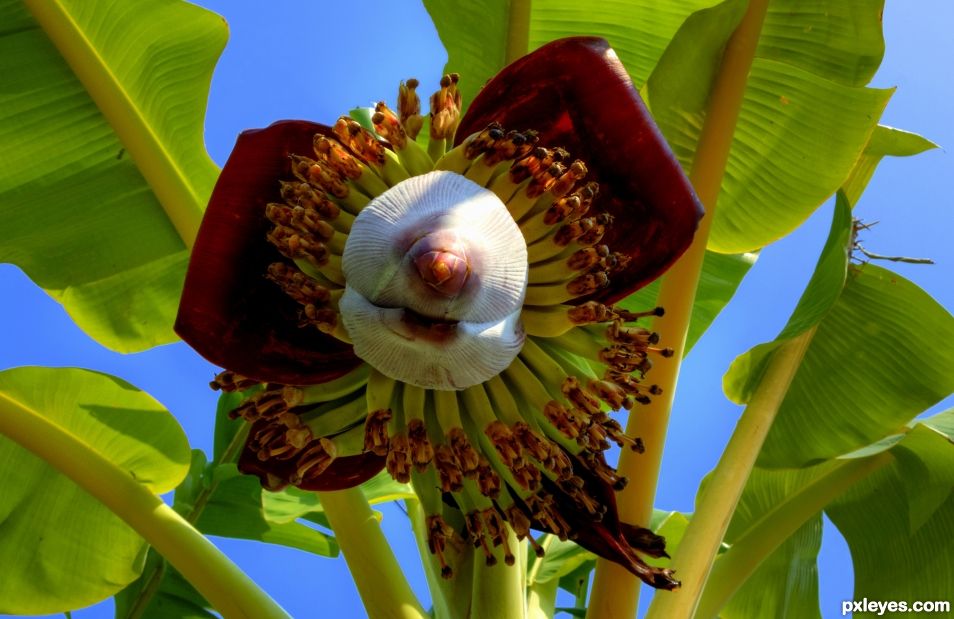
[
  {"x": 344, "y": 472},
  {"x": 229, "y": 312},
  {"x": 577, "y": 94}
]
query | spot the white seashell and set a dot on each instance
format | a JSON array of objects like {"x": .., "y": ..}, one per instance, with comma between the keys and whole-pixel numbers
[
  {"x": 460, "y": 356},
  {"x": 437, "y": 209}
]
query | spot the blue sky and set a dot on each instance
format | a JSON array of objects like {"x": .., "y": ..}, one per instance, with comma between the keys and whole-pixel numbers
[{"x": 317, "y": 60}]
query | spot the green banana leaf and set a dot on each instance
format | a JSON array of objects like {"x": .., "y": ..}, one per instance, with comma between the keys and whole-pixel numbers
[
  {"x": 884, "y": 141},
  {"x": 61, "y": 548},
  {"x": 785, "y": 585},
  {"x": 639, "y": 31},
  {"x": 836, "y": 40},
  {"x": 673, "y": 528},
  {"x": 821, "y": 293},
  {"x": 897, "y": 516},
  {"x": 172, "y": 597},
  {"x": 899, "y": 523},
  {"x": 799, "y": 132},
  {"x": 291, "y": 503},
  {"x": 869, "y": 368},
  {"x": 562, "y": 557},
  {"x": 103, "y": 104},
  {"x": 235, "y": 509}
]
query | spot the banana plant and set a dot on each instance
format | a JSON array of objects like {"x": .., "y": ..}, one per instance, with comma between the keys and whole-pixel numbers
[{"x": 472, "y": 301}]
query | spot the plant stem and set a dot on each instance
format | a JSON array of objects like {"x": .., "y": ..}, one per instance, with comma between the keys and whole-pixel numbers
[
  {"x": 167, "y": 180},
  {"x": 153, "y": 580},
  {"x": 616, "y": 591},
  {"x": 695, "y": 554},
  {"x": 213, "y": 575},
  {"x": 229, "y": 454},
  {"x": 380, "y": 580},
  {"x": 518, "y": 30},
  {"x": 149, "y": 589},
  {"x": 500, "y": 590},
  {"x": 451, "y": 597},
  {"x": 734, "y": 567}
]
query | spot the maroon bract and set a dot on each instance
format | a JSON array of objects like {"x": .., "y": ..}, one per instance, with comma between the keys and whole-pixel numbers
[
  {"x": 446, "y": 314},
  {"x": 230, "y": 313},
  {"x": 577, "y": 94}
]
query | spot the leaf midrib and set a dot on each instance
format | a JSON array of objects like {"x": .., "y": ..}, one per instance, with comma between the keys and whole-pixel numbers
[{"x": 165, "y": 177}]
